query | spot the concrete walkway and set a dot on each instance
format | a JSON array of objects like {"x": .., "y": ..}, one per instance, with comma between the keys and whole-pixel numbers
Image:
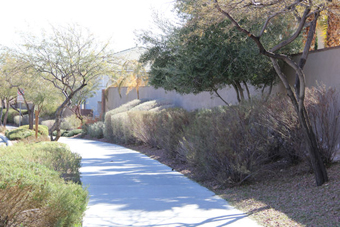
[{"x": 129, "y": 189}]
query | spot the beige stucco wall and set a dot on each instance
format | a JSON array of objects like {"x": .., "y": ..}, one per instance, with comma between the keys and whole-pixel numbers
[
  {"x": 322, "y": 66},
  {"x": 189, "y": 102}
]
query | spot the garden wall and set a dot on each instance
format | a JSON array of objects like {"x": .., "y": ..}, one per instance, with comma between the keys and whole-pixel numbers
[
  {"x": 188, "y": 102},
  {"x": 322, "y": 66}
]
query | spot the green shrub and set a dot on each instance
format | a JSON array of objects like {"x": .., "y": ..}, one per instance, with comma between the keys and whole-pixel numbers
[
  {"x": 55, "y": 156},
  {"x": 32, "y": 192},
  {"x": 62, "y": 132},
  {"x": 72, "y": 133},
  {"x": 24, "y": 120},
  {"x": 70, "y": 123},
  {"x": 48, "y": 112},
  {"x": 11, "y": 114},
  {"x": 96, "y": 130},
  {"x": 118, "y": 127},
  {"x": 23, "y": 132},
  {"x": 66, "y": 133},
  {"x": 121, "y": 129},
  {"x": 108, "y": 131}
]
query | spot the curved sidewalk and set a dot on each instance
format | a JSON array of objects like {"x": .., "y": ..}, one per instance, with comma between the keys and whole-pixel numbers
[{"x": 127, "y": 188}]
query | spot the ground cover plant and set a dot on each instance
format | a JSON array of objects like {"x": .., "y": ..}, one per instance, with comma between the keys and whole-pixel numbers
[
  {"x": 33, "y": 189},
  {"x": 95, "y": 130},
  {"x": 23, "y": 132}
]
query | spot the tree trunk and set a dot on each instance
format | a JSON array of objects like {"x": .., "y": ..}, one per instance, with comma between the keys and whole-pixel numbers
[
  {"x": 237, "y": 92},
  {"x": 30, "y": 112},
  {"x": 298, "y": 101},
  {"x": 1, "y": 111},
  {"x": 78, "y": 114},
  {"x": 59, "y": 112},
  {"x": 6, "y": 113},
  {"x": 57, "y": 123},
  {"x": 314, "y": 151},
  {"x": 247, "y": 89},
  {"x": 269, "y": 92},
  {"x": 30, "y": 119},
  {"x": 218, "y": 95},
  {"x": 310, "y": 139},
  {"x": 240, "y": 89}
]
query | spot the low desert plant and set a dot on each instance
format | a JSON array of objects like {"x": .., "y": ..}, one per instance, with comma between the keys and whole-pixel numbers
[
  {"x": 23, "y": 132},
  {"x": 161, "y": 129},
  {"x": 23, "y": 120},
  {"x": 31, "y": 190},
  {"x": 2, "y": 129},
  {"x": 96, "y": 130},
  {"x": 118, "y": 126},
  {"x": 121, "y": 129},
  {"x": 70, "y": 123},
  {"x": 65, "y": 133},
  {"x": 226, "y": 143},
  {"x": 11, "y": 114},
  {"x": 284, "y": 130},
  {"x": 48, "y": 123},
  {"x": 324, "y": 111},
  {"x": 72, "y": 132},
  {"x": 108, "y": 131}
]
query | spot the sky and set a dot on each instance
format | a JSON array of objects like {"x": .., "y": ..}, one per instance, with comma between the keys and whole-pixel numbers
[{"x": 115, "y": 19}]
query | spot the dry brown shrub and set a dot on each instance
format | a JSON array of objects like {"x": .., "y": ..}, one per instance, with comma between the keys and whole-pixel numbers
[
  {"x": 227, "y": 144},
  {"x": 286, "y": 136},
  {"x": 323, "y": 106},
  {"x": 160, "y": 129}
]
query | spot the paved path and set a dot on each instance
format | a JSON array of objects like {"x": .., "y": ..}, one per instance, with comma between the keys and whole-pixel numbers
[{"x": 129, "y": 189}]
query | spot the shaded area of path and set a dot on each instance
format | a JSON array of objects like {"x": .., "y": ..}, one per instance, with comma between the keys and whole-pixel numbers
[{"x": 128, "y": 188}]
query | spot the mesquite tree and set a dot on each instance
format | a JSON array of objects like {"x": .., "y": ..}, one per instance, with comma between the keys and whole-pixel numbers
[
  {"x": 68, "y": 58},
  {"x": 306, "y": 14}
]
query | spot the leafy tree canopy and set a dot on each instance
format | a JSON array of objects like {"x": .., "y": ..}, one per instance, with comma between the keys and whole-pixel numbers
[{"x": 195, "y": 58}]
